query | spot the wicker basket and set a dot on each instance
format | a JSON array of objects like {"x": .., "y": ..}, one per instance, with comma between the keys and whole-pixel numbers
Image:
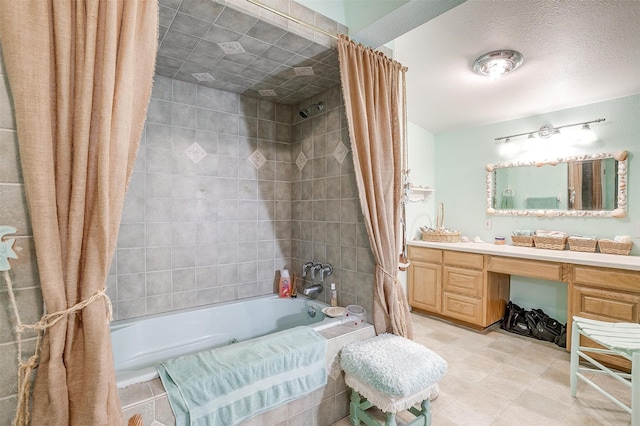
[
  {"x": 440, "y": 234},
  {"x": 522, "y": 240},
  {"x": 441, "y": 237},
  {"x": 612, "y": 247},
  {"x": 551, "y": 243},
  {"x": 583, "y": 244}
]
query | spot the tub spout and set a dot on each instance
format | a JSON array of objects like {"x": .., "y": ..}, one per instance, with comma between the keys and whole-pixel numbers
[{"x": 313, "y": 289}]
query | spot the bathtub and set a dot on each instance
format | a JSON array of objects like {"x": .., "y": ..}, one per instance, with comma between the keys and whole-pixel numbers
[{"x": 138, "y": 343}]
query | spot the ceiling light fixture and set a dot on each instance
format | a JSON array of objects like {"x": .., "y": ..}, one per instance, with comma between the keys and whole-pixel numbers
[
  {"x": 497, "y": 63},
  {"x": 547, "y": 131}
]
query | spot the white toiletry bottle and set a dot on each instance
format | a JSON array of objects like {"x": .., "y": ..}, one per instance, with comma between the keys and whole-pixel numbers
[
  {"x": 284, "y": 289},
  {"x": 334, "y": 295}
]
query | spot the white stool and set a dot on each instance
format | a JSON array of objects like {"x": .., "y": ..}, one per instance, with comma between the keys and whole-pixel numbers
[
  {"x": 393, "y": 374},
  {"x": 621, "y": 339}
]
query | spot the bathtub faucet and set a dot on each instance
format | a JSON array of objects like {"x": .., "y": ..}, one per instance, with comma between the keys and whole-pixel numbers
[
  {"x": 325, "y": 271},
  {"x": 313, "y": 289},
  {"x": 315, "y": 268},
  {"x": 305, "y": 268}
]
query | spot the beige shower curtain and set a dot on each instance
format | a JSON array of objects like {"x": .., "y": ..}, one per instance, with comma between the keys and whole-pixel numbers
[
  {"x": 80, "y": 72},
  {"x": 373, "y": 89}
]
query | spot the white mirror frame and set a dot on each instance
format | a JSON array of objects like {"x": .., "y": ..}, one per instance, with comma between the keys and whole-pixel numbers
[{"x": 620, "y": 212}]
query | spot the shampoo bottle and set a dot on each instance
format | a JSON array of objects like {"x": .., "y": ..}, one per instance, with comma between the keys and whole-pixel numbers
[
  {"x": 284, "y": 289},
  {"x": 334, "y": 295}
]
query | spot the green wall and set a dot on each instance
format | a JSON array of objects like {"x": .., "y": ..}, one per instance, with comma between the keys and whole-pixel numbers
[{"x": 461, "y": 157}]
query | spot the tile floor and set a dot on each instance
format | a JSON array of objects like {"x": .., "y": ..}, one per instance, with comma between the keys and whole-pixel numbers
[{"x": 498, "y": 378}]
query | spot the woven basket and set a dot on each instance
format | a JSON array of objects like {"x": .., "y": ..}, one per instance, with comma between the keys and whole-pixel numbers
[
  {"x": 551, "y": 243},
  {"x": 612, "y": 247},
  {"x": 582, "y": 244},
  {"x": 522, "y": 240},
  {"x": 440, "y": 235}
]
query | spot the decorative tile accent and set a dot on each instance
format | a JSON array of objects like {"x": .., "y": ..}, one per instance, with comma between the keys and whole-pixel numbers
[
  {"x": 340, "y": 152},
  {"x": 231, "y": 47},
  {"x": 203, "y": 76},
  {"x": 303, "y": 70},
  {"x": 257, "y": 159},
  {"x": 195, "y": 152},
  {"x": 301, "y": 160},
  {"x": 267, "y": 92}
]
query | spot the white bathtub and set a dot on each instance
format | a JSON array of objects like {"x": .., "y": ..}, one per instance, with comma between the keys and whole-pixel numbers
[{"x": 138, "y": 343}]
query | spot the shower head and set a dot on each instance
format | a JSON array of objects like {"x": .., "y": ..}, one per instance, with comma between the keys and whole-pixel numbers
[{"x": 304, "y": 113}]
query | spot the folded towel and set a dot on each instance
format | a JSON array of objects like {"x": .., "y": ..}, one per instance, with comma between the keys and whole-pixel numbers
[
  {"x": 227, "y": 385},
  {"x": 542, "y": 203}
]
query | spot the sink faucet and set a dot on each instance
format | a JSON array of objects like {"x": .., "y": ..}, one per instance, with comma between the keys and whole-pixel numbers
[{"x": 313, "y": 289}]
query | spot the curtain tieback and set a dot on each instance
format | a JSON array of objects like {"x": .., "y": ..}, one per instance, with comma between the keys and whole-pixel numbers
[
  {"x": 25, "y": 368},
  {"x": 395, "y": 278},
  {"x": 402, "y": 323}
]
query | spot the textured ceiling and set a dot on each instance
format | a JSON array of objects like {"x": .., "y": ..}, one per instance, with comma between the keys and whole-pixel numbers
[
  {"x": 288, "y": 68},
  {"x": 575, "y": 53}
]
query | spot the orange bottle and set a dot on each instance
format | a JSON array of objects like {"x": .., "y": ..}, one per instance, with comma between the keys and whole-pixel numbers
[{"x": 284, "y": 289}]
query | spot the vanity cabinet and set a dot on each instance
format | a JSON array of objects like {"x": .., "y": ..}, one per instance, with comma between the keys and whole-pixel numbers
[
  {"x": 604, "y": 294},
  {"x": 455, "y": 285}
]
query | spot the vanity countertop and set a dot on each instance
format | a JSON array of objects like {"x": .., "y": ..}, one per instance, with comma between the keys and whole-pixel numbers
[{"x": 564, "y": 256}]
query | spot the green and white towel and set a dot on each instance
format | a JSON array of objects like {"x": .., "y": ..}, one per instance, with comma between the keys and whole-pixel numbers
[{"x": 227, "y": 385}]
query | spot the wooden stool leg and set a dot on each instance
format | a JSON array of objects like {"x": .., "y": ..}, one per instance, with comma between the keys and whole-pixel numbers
[
  {"x": 391, "y": 420},
  {"x": 426, "y": 411},
  {"x": 635, "y": 389},
  {"x": 353, "y": 407}
]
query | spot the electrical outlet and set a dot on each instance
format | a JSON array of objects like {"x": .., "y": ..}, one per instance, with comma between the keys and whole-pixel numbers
[{"x": 487, "y": 224}]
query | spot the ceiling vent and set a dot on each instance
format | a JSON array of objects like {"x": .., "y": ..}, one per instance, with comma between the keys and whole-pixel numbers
[{"x": 203, "y": 76}]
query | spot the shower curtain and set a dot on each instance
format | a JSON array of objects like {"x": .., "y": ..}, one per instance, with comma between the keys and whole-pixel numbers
[
  {"x": 374, "y": 94},
  {"x": 80, "y": 72}
]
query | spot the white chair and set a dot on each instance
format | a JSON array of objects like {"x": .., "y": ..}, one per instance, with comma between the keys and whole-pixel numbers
[{"x": 621, "y": 339}]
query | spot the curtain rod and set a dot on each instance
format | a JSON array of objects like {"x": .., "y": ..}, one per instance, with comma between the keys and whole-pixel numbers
[{"x": 291, "y": 18}]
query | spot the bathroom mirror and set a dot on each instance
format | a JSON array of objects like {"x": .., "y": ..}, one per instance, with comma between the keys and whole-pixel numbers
[{"x": 587, "y": 185}]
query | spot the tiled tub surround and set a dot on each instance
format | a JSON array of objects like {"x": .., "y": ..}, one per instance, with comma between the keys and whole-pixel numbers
[
  {"x": 196, "y": 233},
  {"x": 320, "y": 408},
  {"x": 215, "y": 230},
  {"x": 327, "y": 225}
]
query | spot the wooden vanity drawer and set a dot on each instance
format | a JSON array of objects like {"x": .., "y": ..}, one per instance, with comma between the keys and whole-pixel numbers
[
  {"x": 424, "y": 254},
  {"x": 466, "y": 260},
  {"x": 527, "y": 268},
  {"x": 605, "y": 305},
  {"x": 463, "y": 308},
  {"x": 607, "y": 278},
  {"x": 467, "y": 282}
]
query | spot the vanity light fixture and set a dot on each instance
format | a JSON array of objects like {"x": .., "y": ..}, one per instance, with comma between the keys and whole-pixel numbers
[
  {"x": 547, "y": 131},
  {"x": 497, "y": 63}
]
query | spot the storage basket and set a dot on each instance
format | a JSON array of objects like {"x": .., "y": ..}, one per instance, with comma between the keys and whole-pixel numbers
[
  {"x": 551, "y": 243},
  {"x": 613, "y": 247},
  {"x": 583, "y": 244},
  {"x": 522, "y": 240},
  {"x": 440, "y": 234}
]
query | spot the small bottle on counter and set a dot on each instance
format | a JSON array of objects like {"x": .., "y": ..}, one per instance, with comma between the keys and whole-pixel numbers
[
  {"x": 284, "y": 289},
  {"x": 499, "y": 241},
  {"x": 334, "y": 295}
]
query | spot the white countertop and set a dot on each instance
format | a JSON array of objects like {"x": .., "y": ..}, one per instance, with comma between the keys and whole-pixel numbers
[{"x": 566, "y": 256}]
